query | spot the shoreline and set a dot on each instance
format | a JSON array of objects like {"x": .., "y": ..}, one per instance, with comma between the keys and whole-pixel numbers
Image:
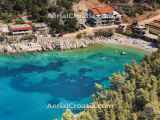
[
  {"x": 66, "y": 43},
  {"x": 128, "y": 42},
  {"x": 93, "y": 47}
]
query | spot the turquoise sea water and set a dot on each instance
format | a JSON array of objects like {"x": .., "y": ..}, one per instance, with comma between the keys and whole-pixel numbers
[{"x": 29, "y": 82}]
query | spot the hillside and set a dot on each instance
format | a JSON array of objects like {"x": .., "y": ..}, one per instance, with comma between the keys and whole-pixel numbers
[
  {"x": 39, "y": 10},
  {"x": 134, "y": 95}
]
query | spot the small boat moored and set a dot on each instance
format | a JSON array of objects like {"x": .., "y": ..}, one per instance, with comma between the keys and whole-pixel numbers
[{"x": 123, "y": 53}]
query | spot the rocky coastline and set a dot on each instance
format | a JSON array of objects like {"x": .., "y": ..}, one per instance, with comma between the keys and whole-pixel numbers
[
  {"x": 48, "y": 44},
  {"x": 67, "y": 43}
]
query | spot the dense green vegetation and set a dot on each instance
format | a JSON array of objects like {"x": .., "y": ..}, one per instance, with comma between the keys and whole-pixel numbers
[
  {"x": 39, "y": 9},
  {"x": 135, "y": 94},
  {"x": 135, "y": 7}
]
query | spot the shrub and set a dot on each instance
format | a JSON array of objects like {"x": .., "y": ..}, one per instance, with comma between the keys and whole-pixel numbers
[{"x": 103, "y": 33}]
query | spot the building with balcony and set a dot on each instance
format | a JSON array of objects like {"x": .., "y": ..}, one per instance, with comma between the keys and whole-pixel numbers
[{"x": 102, "y": 15}]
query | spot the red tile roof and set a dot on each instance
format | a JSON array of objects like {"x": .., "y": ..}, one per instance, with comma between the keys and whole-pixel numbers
[
  {"x": 102, "y": 10},
  {"x": 21, "y": 27}
]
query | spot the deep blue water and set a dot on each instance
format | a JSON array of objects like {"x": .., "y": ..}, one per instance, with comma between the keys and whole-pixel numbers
[{"x": 29, "y": 82}]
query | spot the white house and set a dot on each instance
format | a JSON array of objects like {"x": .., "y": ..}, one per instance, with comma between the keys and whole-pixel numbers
[{"x": 102, "y": 15}]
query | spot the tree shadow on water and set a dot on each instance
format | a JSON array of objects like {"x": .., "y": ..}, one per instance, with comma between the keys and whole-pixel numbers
[
  {"x": 55, "y": 65},
  {"x": 69, "y": 87}
]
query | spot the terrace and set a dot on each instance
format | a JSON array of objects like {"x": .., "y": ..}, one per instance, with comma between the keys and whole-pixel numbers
[{"x": 101, "y": 15}]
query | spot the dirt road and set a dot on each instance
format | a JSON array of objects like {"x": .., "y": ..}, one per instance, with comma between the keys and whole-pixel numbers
[
  {"x": 91, "y": 30},
  {"x": 149, "y": 20}
]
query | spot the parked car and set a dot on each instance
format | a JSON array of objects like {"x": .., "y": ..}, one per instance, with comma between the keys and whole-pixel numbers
[{"x": 90, "y": 22}]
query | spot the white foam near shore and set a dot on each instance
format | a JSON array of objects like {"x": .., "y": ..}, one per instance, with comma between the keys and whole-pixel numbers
[
  {"x": 73, "y": 43},
  {"x": 128, "y": 41}
]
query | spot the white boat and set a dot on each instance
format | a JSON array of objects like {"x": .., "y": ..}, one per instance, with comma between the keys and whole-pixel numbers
[{"x": 123, "y": 53}]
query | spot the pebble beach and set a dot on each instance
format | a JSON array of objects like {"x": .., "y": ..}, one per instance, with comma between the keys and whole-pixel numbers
[{"x": 66, "y": 43}]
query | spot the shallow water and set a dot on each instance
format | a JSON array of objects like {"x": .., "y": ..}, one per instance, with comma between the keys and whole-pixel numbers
[{"x": 29, "y": 82}]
